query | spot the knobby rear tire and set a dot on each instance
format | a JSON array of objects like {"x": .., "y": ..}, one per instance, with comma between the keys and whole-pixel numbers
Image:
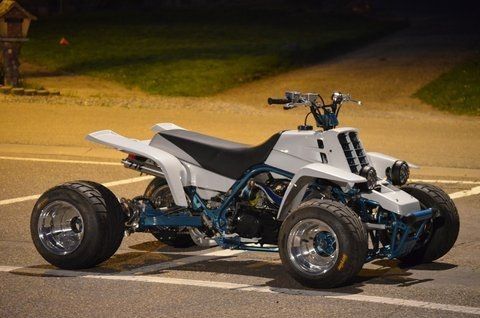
[{"x": 103, "y": 224}]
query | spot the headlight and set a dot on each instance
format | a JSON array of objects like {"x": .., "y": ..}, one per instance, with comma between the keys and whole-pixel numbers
[
  {"x": 399, "y": 173},
  {"x": 370, "y": 174}
]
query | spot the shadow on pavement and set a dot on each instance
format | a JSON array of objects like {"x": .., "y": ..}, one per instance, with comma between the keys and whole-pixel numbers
[{"x": 270, "y": 271}]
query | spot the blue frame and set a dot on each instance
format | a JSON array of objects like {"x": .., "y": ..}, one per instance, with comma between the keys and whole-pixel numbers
[
  {"x": 218, "y": 215},
  {"x": 406, "y": 242},
  {"x": 152, "y": 218}
]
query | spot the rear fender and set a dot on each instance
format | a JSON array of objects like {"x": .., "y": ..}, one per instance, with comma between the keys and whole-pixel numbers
[
  {"x": 165, "y": 126},
  {"x": 174, "y": 171},
  {"x": 309, "y": 174}
]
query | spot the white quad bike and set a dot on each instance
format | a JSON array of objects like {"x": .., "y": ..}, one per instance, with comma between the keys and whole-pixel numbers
[{"x": 315, "y": 196}]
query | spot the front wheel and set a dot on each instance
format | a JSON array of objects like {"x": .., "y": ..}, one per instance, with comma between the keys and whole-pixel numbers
[
  {"x": 442, "y": 232},
  {"x": 322, "y": 244}
]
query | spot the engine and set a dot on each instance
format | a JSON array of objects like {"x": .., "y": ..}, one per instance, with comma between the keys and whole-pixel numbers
[
  {"x": 255, "y": 214},
  {"x": 256, "y": 224}
]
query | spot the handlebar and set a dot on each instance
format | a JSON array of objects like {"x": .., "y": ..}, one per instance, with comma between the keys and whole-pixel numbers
[
  {"x": 326, "y": 115},
  {"x": 278, "y": 101},
  {"x": 294, "y": 99}
]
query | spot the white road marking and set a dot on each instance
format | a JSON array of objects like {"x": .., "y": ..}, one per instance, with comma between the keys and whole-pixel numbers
[
  {"x": 455, "y": 195},
  {"x": 103, "y": 163},
  {"x": 183, "y": 261},
  {"x": 444, "y": 181},
  {"x": 109, "y": 163},
  {"x": 465, "y": 193},
  {"x": 246, "y": 288},
  {"x": 107, "y": 184},
  {"x": 127, "y": 181},
  {"x": 20, "y": 199}
]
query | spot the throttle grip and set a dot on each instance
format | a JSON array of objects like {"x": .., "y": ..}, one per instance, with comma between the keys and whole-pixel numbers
[{"x": 279, "y": 101}]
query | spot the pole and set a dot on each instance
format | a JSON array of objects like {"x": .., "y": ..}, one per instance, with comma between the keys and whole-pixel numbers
[{"x": 11, "y": 63}]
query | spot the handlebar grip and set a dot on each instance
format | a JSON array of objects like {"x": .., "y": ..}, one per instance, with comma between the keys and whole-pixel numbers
[{"x": 279, "y": 101}]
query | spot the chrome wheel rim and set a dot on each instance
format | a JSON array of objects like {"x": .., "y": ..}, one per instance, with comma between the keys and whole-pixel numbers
[
  {"x": 60, "y": 228},
  {"x": 312, "y": 246},
  {"x": 162, "y": 197}
]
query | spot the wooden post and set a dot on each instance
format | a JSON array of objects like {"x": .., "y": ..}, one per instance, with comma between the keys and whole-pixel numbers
[
  {"x": 11, "y": 64},
  {"x": 14, "y": 25}
]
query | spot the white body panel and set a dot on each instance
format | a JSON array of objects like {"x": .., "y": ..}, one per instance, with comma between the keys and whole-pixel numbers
[
  {"x": 207, "y": 180},
  {"x": 299, "y": 152},
  {"x": 174, "y": 171},
  {"x": 297, "y": 187},
  {"x": 296, "y": 149},
  {"x": 165, "y": 126},
  {"x": 393, "y": 199},
  {"x": 308, "y": 155},
  {"x": 197, "y": 176}
]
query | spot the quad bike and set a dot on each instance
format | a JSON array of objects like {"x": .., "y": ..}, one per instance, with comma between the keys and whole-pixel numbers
[{"x": 315, "y": 196}]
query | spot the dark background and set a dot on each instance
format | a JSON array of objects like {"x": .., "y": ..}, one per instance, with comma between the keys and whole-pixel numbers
[{"x": 52, "y": 7}]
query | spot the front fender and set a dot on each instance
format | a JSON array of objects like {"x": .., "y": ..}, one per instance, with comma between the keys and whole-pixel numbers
[
  {"x": 307, "y": 175},
  {"x": 174, "y": 171},
  {"x": 393, "y": 199}
]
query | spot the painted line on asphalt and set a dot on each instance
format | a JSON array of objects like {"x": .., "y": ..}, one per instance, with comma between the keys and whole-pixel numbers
[
  {"x": 107, "y": 184},
  {"x": 20, "y": 199},
  {"x": 183, "y": 261},
  {"x": 444, "y": 181},
  {"x": 465, "y": 193},
  {"x": 103, "y": 163},
  {"x": 127, "y": 181},
  {"x": 110, "y": 163},
  {"x": 456, "y": 195},
  {"x": 246, "y": 288}
]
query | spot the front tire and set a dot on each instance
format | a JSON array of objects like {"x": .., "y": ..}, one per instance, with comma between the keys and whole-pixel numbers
[
  {"x": 442, "y": 232},
  {"x": 77, "y": 225},
  {"x": 322, "y": 244}
]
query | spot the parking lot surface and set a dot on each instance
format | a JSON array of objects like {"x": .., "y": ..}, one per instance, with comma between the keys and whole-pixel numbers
[{"x": 146, "y": 278}]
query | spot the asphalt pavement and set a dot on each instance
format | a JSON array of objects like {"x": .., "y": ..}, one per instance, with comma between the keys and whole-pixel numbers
[{"x": 146, "y": 278}]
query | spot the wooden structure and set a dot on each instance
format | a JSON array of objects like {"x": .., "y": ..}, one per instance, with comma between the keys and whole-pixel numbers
[{"x": 14, "y": 24}]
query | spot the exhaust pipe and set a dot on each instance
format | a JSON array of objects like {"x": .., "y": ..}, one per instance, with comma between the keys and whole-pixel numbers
[{"x": 143, "y": 168}]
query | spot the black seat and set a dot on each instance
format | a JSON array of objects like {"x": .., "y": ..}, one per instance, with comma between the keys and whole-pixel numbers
[{"x": 224, "y": 157}]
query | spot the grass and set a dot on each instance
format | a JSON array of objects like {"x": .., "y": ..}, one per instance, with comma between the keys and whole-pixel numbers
[
  {"x": 457, "y": 91},
  {"x": 195, "y": 52}
]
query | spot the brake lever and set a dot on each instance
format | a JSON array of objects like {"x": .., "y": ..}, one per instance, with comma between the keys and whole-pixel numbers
[
  {"x": 289, "y": 106},
  {"x": 358, "y": 102},
  {"x": 344, "y": 98}
]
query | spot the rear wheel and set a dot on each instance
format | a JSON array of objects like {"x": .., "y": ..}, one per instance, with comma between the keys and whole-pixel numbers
[
  {"x": 440, "y": 234},
  {"x": 322, "y": 243},
  {"x": 159, "y": 192},
  {"x": 77, "y": 225}
]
